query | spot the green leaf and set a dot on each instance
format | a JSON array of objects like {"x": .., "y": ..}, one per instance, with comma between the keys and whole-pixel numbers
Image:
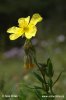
[
  {"x": 39, "y": 94},
  {"x": 49, "y": 68},
  {"x": 38, "y": 77},
  {"x": 37, "y": 87},
  {"x": 57, "y": 78}
]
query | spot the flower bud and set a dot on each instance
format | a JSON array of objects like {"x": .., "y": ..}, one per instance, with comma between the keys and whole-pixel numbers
[{"x": 28, "y": 62}]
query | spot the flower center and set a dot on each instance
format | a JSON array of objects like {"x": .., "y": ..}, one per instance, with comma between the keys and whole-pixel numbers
[{"x": 26, "y": 29}]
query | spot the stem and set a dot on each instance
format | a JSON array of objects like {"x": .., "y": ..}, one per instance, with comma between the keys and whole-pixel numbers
[
  {"x": 31, "y": 52},
  {"x": 42, "y": 74}
]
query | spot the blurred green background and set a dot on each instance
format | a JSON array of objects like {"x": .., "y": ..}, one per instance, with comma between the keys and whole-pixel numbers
[{"x": 50, "y": 41}]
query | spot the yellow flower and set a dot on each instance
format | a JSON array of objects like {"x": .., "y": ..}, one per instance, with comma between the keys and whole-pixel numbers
[{"x": 25, "y": 28}]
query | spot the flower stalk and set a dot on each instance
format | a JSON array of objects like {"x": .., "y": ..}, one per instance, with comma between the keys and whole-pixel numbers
[{"x": 46, "y": 72}]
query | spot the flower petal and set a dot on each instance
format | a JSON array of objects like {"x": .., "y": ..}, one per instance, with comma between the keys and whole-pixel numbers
[
  {"x": 17, "y": 32},
  {"x": 31, "y": 33},
  {"x": 35, "y": 19},
  {"x": 14, "y": 36},
  {"x": 14, "y": 30},
  {"x": 23, "y": 21}
]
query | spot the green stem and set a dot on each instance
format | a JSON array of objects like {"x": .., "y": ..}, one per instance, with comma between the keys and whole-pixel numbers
[{"x": 42, "y": 75}]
